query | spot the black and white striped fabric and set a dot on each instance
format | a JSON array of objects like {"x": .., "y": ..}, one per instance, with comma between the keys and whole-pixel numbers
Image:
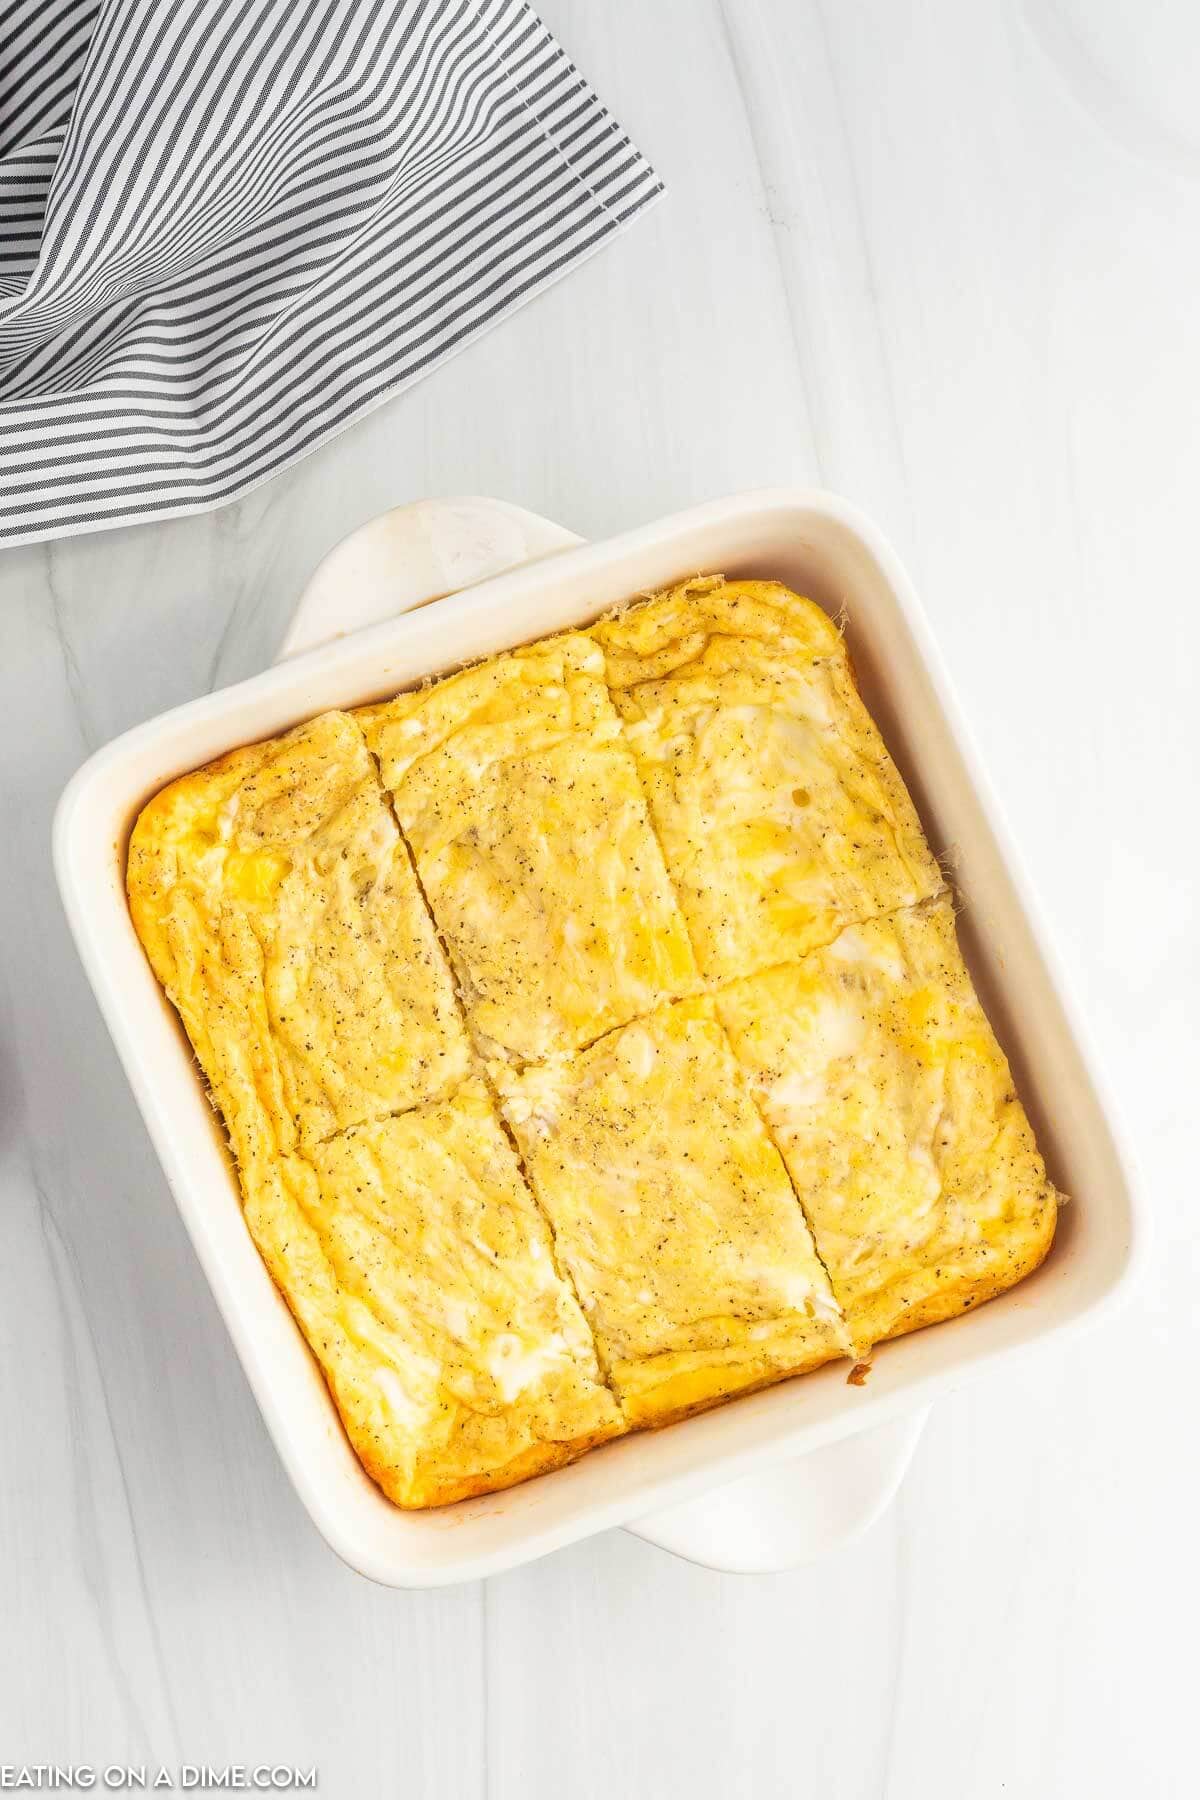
[{"x": 230, "y": 227}]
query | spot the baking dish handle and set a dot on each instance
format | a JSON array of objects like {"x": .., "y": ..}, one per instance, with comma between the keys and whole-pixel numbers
[
  {"x": 783, "y": 1516},
  {"x": 779, "y": 1517},
  {"x": 412, "y": 555}
]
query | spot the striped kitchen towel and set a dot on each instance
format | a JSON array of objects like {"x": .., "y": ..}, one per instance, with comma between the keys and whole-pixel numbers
[{"x": 230, "y": 227}]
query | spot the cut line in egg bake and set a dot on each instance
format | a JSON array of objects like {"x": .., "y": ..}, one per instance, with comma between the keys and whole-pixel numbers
[
  {"x": 424, "y": 1273},
  {"x": 591, "y": 1036},
  {"x": 279, "y": 909},
  {"x": 514, "y": 785},
  {"x": 674, "y": 1216}
]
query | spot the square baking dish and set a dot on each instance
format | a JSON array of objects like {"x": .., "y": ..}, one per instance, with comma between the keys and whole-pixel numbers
[{"x": 821, "y": 547}]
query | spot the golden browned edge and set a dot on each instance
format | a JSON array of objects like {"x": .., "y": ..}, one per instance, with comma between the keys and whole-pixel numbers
[
  {"x": 770, "y": 1377},
  {"x": 537, "y": 1459},
  {"x": 145, "y": 879},
  {"x": 953, "y": 1302},
  {"x": 541, "y": 1458},
  {"x": 964, "y": 1296}
]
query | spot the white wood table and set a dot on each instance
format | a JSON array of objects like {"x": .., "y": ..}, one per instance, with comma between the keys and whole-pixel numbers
[{"x": 943, "y": 256}]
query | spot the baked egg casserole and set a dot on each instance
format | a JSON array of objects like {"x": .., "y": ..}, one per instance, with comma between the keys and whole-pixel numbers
[{"x": 591, "y": 1036}]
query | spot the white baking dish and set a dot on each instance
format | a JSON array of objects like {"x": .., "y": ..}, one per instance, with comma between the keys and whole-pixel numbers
[{"x": 823, "y": 548}]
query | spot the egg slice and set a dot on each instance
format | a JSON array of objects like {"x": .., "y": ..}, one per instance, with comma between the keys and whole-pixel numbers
[
  {"x": 781, "y": 815},
  {"x": 883, "y": 1084},
  {"x": 280, "y": 911}
]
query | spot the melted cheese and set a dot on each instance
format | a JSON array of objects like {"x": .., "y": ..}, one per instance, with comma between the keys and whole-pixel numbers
[
  {"x": 781, "y": 815},
  {"x": 527, "y": 821},
  {"x": 894, "y": 1108},
  {"x": 674, "y": 1215},
  {"x": 279, "y": 910}
]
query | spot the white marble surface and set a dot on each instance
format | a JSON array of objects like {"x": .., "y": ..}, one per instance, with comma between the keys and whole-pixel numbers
[{"x": 942, "y": 255}]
